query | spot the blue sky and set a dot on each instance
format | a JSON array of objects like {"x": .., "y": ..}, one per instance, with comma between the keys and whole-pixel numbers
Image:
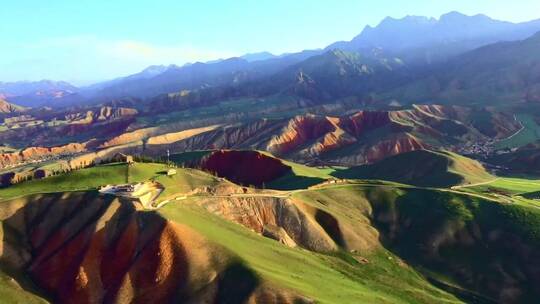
[{"x": 85, "y": 41}]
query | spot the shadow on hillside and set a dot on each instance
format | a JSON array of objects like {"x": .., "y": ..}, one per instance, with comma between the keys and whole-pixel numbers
[
  {"x": 87, "y": 247},
  {"x": 331, "y": 225},
  {"x": 294, "y": 182},
  {"x": 420, "y": 178},
  {"x": 236, "y": 284},
  {"x": 54, "y": 239},
  {"x": 475, "y": 244}
]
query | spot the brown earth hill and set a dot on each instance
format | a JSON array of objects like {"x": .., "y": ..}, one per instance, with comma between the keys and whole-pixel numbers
[
  {"x": 244, "y": 167},
  {"x": 363, "y": 137},
  {"x": 355, "y": 139},
  {"x": 6, "y": 107},
  {"x": 88, "y": 248}
]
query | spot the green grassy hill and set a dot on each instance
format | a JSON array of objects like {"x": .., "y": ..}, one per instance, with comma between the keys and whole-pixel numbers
[
  {"x": 327, "y": 278},
  {"x": 422, "y": 168},
  {"x": 298, "y": 177},
  {"x": 413, "y": 245},
  {"x": 301, "y": 176},
  {"x": 117, "y": 173}
]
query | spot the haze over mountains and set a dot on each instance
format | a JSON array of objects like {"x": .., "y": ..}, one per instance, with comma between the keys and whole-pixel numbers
[
  {"x": 405, "y": 45},
  {"x": 30, "y": 93},
  {"x": 419, "y": 39},
  {"x": 497, "y": 72}
]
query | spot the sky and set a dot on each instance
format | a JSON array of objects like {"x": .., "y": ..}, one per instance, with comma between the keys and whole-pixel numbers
[{"x": 87, "y": 41}]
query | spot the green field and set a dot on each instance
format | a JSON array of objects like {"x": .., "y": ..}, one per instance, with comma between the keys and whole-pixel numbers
[
  {"x": 381, "y": 280},
  {"x": 529, "y": 134},
  {"x": 512, "y": 186}
]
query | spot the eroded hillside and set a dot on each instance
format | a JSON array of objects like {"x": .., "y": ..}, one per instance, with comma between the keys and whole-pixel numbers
[{"x": 212, "y": 240}]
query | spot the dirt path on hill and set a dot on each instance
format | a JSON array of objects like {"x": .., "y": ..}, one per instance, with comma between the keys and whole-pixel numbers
[
  {"x": 516, "y": 133},
  {"x": 475, "y": 184}
]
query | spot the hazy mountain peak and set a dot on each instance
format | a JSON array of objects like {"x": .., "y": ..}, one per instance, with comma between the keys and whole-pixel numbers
[
  {"x": 25, "y": 87},
  {"x": 422, "y": 39},
  {"x": 155, "y": 70},
  {"x": 452, "y": 16},
  {"x": 258, "y": 56},
  {"x": 455, "y": 16}
]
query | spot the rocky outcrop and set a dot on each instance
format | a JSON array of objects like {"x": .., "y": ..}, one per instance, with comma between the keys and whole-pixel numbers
[
  {"x": 250, "y": 135},
  {"x": 292, "y": 222},
  {"x": 74, "y": 157},
  {"x": 103, "y": 155},
  {"x": 395, "y": 146},
  {"x": 364, "y": 121},
  {"x": 10, "y": 121},
  {"x": 279, "y": 234},
  {"x": 257, "y": 212},
  {"x": 299, "y": 131},
  {"x": 99, "y": 115},
  {"x": 310, "y": 136}
]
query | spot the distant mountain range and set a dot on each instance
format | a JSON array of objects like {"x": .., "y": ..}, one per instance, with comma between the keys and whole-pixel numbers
[
  {"x": 418, "y": 39},
  {"x": 167, "y": 79},
  {"x": 258, "y": 56},
  {"x": 38, "y": 93},
  {"x": 27, "y": 87},
  {"x": 504, "y": 72},
  {"x": 390, "y": 55},
  {"x": 410, "y": 59}
]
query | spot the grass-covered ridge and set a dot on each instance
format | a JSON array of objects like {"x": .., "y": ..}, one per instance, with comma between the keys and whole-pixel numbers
[
  {"x": 112, "y": 174},
  {"x": 422, "y": 168},
  {"x": 382, "y": 280},
  {"x": 465, "y": 244}
]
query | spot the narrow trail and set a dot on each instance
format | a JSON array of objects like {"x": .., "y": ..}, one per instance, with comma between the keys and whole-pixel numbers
[
  {"x": 516, "y": 133},
  {"x": 475, "y": 184},
  {"x": 289, "y": 194}
]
